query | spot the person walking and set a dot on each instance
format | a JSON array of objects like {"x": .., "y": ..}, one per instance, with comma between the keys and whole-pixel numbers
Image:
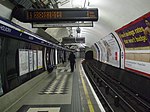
[{"x": 72, "y": 61}]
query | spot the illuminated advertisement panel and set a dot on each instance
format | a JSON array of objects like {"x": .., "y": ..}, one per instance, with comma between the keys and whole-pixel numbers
[
  {"x": 40, "y": 60},
  {"x": 23, "y": 61},
  {"x": 110, "y": 50},
  {"x": 31, "y": 60},
  {"x": 35, "y": 59}
]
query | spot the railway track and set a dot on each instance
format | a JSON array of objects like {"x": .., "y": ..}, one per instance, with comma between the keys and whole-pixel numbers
[{"x": 113, "y": 95}]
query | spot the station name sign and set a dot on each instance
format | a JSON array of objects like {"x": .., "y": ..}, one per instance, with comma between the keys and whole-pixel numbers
[{"x": 61, "y": 14}]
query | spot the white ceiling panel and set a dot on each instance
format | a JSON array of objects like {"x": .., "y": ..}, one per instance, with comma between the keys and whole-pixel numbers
[{"x": 113, "y": 14}]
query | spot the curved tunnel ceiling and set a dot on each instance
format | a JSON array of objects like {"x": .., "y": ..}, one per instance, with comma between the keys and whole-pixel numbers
[{"x": 113, "y": 14}]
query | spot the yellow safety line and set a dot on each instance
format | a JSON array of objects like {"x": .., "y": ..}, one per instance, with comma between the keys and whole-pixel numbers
[{"x": 90, "y": 105}]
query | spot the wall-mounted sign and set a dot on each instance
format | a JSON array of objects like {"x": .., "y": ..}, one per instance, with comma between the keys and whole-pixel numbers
[
  {"x": 66, "y": 40},
  {"x": 61, "y": 14}
]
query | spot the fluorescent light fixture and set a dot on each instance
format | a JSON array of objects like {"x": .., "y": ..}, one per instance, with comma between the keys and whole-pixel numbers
[
  {"x": 78, "y": 3},
  {"x": 63, "y": 24}
]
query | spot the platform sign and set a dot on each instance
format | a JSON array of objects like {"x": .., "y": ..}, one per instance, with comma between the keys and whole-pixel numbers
[
  {"x": 66, "y": 40},
  {"x": 60, "y": 14},
  {"x": 23, "y": 62}
]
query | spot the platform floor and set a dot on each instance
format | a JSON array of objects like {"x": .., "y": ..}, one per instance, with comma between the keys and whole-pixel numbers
[{"x": 59, "y": 91}]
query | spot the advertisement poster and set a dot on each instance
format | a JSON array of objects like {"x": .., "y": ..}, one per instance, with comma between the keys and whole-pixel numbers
[
  {"x": 98, "y": 51},
  {"x": 40, "y": 60},
  {"x": 23, "y": 61},
  {"x": 31, "y": 60},
  {"x": 1, "y": 89},
  {"x": 35, "y": 59},
  {"x": 135, "y": 37},
  {"x": 103, "y": 51},
  {"x": 110, "y": 50},
  {"x": 136, "y": 34}
]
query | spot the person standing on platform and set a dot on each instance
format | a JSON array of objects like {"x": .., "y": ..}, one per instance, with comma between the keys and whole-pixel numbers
[{"x": 72, "y": 61}]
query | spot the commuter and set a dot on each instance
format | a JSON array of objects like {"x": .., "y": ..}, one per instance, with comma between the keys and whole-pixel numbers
[{"x": 72, "y": 61}]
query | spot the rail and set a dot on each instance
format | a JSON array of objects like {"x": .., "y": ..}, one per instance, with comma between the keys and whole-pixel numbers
[{"x": 122, "y": 94}]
